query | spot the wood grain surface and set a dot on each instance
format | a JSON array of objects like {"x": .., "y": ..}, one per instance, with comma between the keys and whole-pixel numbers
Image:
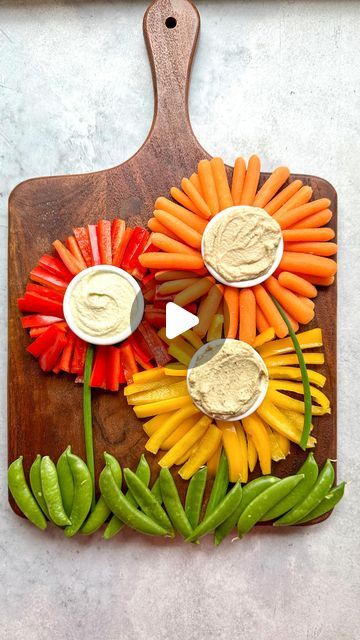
[{"x": 45, "y": 410}]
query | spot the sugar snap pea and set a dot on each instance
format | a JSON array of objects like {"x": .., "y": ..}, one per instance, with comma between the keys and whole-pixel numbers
[
  {"x": 51, "y": 492},
  {"x": 83, "y": 492},
  {"x": 123, "y": 509},
  {"x": 101, "y": 512},
  {"x": 250, "y": 491},
  {"x": 156, "y": 490},
  {"x": 173, "y": 504},
  {"x": 66, "y": 481},
  {"x": 147, "y": 501},
  {"x": 310, "y": 471},
  {"x": 194, "y": 496},
  {"x": 222, "y": 511},
  {"x": 220, "y": 485},
  {"x": 22, "y": 495},
  {"x": 320, "y": 489},
  {"x": 264, "y": 502},
  {"x": 35, "y": 484},
  {"x": 329, "y": 502}
]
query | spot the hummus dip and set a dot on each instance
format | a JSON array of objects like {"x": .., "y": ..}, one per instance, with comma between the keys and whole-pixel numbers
[
  {"x": 242, "y": 243},
  {"x": 227, "y": 379},
  {"x": 101, "y": 303}
]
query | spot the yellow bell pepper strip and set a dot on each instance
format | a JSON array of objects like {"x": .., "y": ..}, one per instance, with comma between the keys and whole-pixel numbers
[
  {"x": 286, "y": 402},
  {"x": 176, "y": 352},
  {"x": 296, "y": 418},
  {"x": 283, "y": 442},
  {"x": 233, "y": 452},
  {"x": 187, "y": 455},
  {"x": 178, "y": 342},
  {"x": 255, "y": 427},
  {"x": 294, "y": 373},
  {"x": 263, "y": 337},
  {"x": 251, "y": 453},
  {"x": 278, "y": 421},
  {"x": 133, "y": 388},
  {"x": 298, "y": 387},
  {"x": 156, "y": 440},
  {"x": 150, "y": 426},
  {"x": 150, "y": 375},
  {"x": 216, "y": 327},
  {"x": 289, "y": 359},
  {"x": 185, "y": 443},
  {"x": 175, "y": 369},
  {"x": 244, "y": 454},
  {"x": 240, "y": 446},
  {"x": 276, "y": 451},
  {"x": 176, "y": 390},
  {"x": 205, "y": 449},
  {"x": 163, "y": 406},
  {"x": 307, "y": 340},
  {"x": 181, "y": 430},
  {"x": 193, "y": 338},
  {"x": 213, "y": 462}
]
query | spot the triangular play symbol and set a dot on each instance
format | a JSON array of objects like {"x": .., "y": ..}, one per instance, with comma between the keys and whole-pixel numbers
[{"x": 178, "y": 320}]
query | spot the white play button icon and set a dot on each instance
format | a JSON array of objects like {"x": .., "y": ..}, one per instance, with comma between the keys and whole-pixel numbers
[{"x": 178, "y": 320}]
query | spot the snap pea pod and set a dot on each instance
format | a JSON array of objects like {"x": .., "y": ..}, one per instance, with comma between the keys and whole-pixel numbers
[
  {"x": 220, "y": 485},
  {"x": 264, "y": 502},
  {"x": 329, "y": 502},
  {"x": 22, "y": 495},
  {"x": 156, "y": 490},
  {"x": 194, "y": 496},
  {"x": 100, "y": 514},
  {"x": 115, "y": 525},
  {"x": 172, "y": 502},
  {"x": 321, "y": 487},
  {"x": 310, "y": 471},
  {"x": 250, "y": 491},
  {"x": 66, "y": 481},
  {"x": 123, "y": 509},
  {"x": 83, "y": 493},
  {"x": 222, "y": 511},
  {"x": 147, "y": 501},
  {"x": 35, "y": 484},
  {"x": 51, "y": 492}
]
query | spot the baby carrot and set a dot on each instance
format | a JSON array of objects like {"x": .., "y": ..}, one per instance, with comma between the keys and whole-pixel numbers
[
  {"x": 165, "y": 276},
  {"x": 189, "y": 218},
  {"x": 182, "y": 230},
  {"x": 316, "y": 248},
  {"x": 238, "y": 179},
  {"x": 194, "y": 291},
  {"x": 314, "y": 221},
  {"x": 294, "y": 324},
  {"x": 290, "y": 301},
  {"x": 156, "y": 226},
  {"x": 170, "y": 245},
  {"x": 271, "y": 186},
  {"x": 270, "y": 311},
  {"x": 231, "y": 312},
  {"x": 297, "y": 284},
  {"x": 208, "y": 308},
  {"x": 307, "y": 301},
  {"x": 261, "y": 322},
  {"x": 308, "y": 235},
  {"x": 208, "y": 186},
  {"x": 308, "y": 264},
  {"x": 196, "y": 198},
  {"x": 324, "y": 281},
  {"x": 283, "y": 196},
  {"x": 302, "y": 196},
  {"x": 194, "y": 179},
  {"x": 251, "y": 181},
  {"x": 183, "y": 199},
  {"x": 221, "y": 183},
  {"x": 159, "y": 260},
  {"x": 173, "y": 286},
  {"x": 287, "y": 218},
  {"x": 247, "y": 307}
]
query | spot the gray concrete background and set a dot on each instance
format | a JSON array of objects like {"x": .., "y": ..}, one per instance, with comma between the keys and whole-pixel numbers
[{"x": 277, "y": 78}]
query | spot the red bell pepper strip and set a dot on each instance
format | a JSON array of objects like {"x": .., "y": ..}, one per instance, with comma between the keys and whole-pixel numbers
[
  {"x": 148, "y": 290},
  {"x": 134, "y": 248},
  {"x": 45, "y": 291},
  {"x": 104, "y": 239},
  {"x": 50, "y": 357},
  {"x": 192, "y": 308},
  {"x": 40, "y": 304},
  {"x": 49, "y": 279},
  {"x": 71, "y": 263},
  {"x": 55, "y": 266},
  {"x": 37, "y": 320},
  {"x": 155, "y": 345},
  {"x": 74, "y": 248},
  {"x": 143, "y": 363},
  {"x": 122, "y": 378},
  {"x": 94, "y": 245},
  {"x": 98, "y": 374},
  {"x": 82, "y": 237},
  {"x": 113, "y": 369},
  {"x": 155, "y": 317},
  {"x": 128, "y": 361},
  {"x": 44, "y": 341},
  {"x": 117, "y": 233},
  {"x": 67, "y": 354},
  {"x": 139, "y": 271},
  {"x": 139, "y": 346},
  {"x": 79, "y": 355},
  {"x": 150, "y": 277},
  {"x": 37, "y": 331},
  {"x": 119, "y": 253}
]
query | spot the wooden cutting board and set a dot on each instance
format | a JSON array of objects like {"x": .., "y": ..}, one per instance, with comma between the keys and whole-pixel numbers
[{"x": 45, "y": 410}]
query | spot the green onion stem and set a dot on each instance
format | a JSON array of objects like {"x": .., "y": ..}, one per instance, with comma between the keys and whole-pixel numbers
[{"x": 88, "y": 430}]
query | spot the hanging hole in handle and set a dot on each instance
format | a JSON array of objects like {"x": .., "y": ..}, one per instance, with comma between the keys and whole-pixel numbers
[{"x": 170, "y": 22}]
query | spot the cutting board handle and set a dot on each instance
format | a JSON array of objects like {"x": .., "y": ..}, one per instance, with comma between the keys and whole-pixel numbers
[{"x": 171, "y": 29}]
